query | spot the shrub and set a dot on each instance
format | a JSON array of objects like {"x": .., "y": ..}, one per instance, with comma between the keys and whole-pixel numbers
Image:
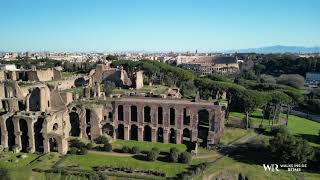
[
  {"x": 125, "y": 149},
  {"x": 107, "y": 147},
  {"x": 83, "y": 151},
  {"x": 73, "y": 150},
  {"x": 174, "y": 155},
  {"x": 101, "y": 140},
  {"x": 89, "y": 146},
  {"x": 76, "y": 143},
  {"x": 156, "y": 150},
  {"x": 185, "y": 157},
  {"x": 152, "y": 155},
  {"x": 1, "y": 148},
  {"x": 135, "y": 150}
]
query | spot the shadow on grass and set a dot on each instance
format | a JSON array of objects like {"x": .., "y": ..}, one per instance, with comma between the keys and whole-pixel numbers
[{"x": 309, "y": 137}]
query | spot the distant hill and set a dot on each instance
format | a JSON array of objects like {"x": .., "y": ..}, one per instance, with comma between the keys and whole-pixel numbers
[{"x": 281, "y": 49}]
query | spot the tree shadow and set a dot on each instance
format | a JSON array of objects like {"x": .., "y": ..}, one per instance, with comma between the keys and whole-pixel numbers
[{"x": 310, "y": 137}]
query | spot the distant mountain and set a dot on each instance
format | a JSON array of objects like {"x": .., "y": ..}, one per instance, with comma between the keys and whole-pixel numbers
[{"x": 281, "y": 49}]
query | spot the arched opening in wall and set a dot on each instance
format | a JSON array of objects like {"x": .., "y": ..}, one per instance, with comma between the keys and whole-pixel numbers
[
  {"x": 34, "y": 100},
  {"x": 146, "y": 114},
  {"x": 147, "y": 133},
  {"x": 120, "y": 131},
  {"x": 21, "y": 106},
  {"x": 120, "y": 113},
  {"x": 172, "y": 116},
  {"x": 134, "y": 113},
  {"x": 24, "y": 135},
  {"x": 88, "y": 123},
  {"x": 186, "y": 118},
  {"x": 203, "y": 126},
  {"x": 75, "y": 124},
  {"x": 55, "y": 126},
  {"x": 108, "y": 129},
  {"x": 186, "y": 137},
  {"x": 172, "y": 136},
  {"x": 160, "y": 115},
  {"x": 134, "y": 132},
  {"x": 38, "y": 138},
  {"x": 160, "y": 134},
  {"x": 53, "y": 145},
  {"x": 11, "y": 135},
  {"x": 110, "y": 116}
]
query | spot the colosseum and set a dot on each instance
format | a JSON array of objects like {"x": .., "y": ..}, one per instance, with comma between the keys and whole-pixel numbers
[{"x": 40, "y": 117}]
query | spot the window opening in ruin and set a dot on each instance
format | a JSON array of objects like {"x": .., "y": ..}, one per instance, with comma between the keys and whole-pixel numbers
[{"x": 160, "y": 115}]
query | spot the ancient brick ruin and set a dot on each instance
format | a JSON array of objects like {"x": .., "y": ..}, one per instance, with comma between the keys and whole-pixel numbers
[{"x": 41, "y": 118}]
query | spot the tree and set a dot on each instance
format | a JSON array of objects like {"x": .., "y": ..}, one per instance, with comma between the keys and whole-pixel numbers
[
  {"x": 174, "y": 155},
  {"x": 107, "y": 147},
  {"x": 293, "y": 80},
  {"x": 289, "y": 149},
  {"x": 152, "y": 155},
  {"x": 185, "y": 157},
  {"x": 108, "y": 87}
]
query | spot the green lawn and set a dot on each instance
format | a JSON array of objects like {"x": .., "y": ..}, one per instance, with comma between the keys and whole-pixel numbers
[
  {"x": 146, "y": 146},
  {"x": 304, "y": 128},
  {"x": 231, "y": 167},
  {"x": 9, "y": 160},
  {"x": 232, "y": 134},
  {"x": 88, "y": 161}
]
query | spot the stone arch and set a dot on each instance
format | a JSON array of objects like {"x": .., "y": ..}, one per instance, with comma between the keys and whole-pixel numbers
[
  {"x": 147, "y": 133},
  {"x": 75, "y": 124},
  {"x": 134, "y": 132},
  {"x": 147, "y": 114},
  {"x": 24, "y": 135},
  {"x": 160, "y": 134},
  {"x": 120, "y": 131},
  {"x": 10, "y": 129},
  {"x": 34, "y": 100},
  {"x": 120, "y": 113},
  {"x": 203, "y": 126},
  {"x": 108, "y": 129},
  {"x": 186, "y": 136},
  {"x": 160, "y": 115},
  {"x": 172, "y": 136},
  {"x": 53, "y": 144},
  {"x": 172, "y": 114},
  {"x": 134, "y": 113},
  {"x": 38, "y": 137}
]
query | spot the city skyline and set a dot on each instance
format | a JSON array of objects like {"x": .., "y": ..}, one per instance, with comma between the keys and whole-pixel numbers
[{"x": 157, "y": 26}]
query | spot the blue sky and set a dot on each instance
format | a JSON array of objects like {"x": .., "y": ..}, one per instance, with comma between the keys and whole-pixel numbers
[{"x": 156, "y": 25}]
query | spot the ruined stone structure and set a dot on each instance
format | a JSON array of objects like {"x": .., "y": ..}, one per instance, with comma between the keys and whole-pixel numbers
[
  {"x": 40, "y": 118},
  {"x": 150, "y": 119}
]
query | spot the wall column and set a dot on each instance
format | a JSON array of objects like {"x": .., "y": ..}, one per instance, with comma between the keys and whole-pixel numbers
[
  {"x": 166, "y": 135},
  {"x": 140, "y": 133},
  {"x": 178, "y": 136},
  {"x": 126, "y": 132},
  {"x": 154, "y": 134},
  {"x": 31, "y": 135},
  {"x": 17, "y": 132}
]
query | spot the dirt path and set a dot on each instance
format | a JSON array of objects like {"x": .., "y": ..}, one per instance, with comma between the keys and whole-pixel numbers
[
  {"x": 243, "y": 140},
  {"x": 112, "y": 153}
]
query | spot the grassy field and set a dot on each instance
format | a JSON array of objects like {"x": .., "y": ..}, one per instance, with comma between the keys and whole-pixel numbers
[
  {"x": 9, "y": 160},
  {"x": 156, "y": 89},
  {"x": 146, "y": 146},
  {"x": 231, "y": 168},
  {"x": 88, "y": 161},
  {"x": 232, "y": 134},
  {"x": 304, "y": 128}
]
